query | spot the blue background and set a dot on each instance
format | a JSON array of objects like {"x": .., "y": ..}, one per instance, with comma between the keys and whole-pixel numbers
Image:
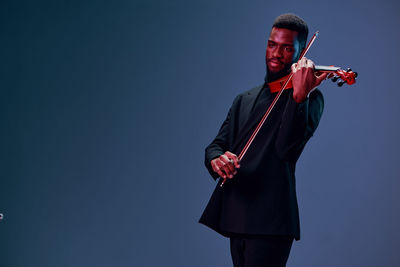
[{"x": 107, "y": 106}]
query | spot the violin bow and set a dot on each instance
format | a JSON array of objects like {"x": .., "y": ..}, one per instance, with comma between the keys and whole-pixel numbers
[{"x": 265, "y": 116}]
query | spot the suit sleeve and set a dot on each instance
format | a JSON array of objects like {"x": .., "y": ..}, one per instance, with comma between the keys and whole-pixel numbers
[
  {"x": 298, "y": 124},
  {"x": 220, "y": 144}
]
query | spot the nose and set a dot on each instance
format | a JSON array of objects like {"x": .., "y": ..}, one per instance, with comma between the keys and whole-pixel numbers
[{"x": 277, "y": 52}]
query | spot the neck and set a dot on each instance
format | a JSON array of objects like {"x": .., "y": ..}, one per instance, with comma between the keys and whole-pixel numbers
[
  {"x": 270, "y": 77},
  {"x": 273, "y": 76}
]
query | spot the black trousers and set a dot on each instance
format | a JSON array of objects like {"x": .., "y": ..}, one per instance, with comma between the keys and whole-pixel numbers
[{"x": 260, "y": 251}]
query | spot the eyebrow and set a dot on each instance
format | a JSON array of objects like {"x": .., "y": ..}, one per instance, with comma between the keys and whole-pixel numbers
[{"x": 284, "y": 44}]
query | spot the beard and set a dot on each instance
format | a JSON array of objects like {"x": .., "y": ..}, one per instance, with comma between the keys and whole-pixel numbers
[{"x": 273, "y": 76}]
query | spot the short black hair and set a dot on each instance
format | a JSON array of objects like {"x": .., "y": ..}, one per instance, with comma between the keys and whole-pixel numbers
[{"x": 295, "y": 23}]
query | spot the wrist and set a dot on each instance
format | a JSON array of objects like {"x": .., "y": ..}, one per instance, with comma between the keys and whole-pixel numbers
[{"x": 299, "y": 97}]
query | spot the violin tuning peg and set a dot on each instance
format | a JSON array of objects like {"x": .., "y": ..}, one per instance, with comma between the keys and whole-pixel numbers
[
  {"x": 340, "y": 84},
  {"x": 355, "y": 74},
  {"x": 335, "y": 78}
]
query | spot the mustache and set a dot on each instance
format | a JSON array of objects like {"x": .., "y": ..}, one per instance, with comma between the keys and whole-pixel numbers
[{"x": 274, "y": 59}]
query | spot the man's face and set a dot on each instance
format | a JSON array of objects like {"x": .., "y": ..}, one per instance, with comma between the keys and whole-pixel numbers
[{"x": 282, "y": 50}]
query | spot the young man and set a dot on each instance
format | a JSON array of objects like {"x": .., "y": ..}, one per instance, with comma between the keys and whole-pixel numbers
[{"x": 257, "y": 206}]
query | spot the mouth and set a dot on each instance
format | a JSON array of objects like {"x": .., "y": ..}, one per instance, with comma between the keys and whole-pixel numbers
[{"x": 275, "y": 64}]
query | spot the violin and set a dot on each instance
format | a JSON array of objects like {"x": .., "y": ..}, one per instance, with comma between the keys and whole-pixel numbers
[
  {"x": 336, "y": 75},
  {"x": 279, "y": 86}
]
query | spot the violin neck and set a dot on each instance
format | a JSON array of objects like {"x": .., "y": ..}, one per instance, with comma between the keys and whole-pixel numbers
[{"x": 326, "y": 68}]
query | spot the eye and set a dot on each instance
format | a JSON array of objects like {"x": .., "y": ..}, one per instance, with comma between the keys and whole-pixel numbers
[
  {"x": 271, "y": 44},
  {"x": 289, "y": 49}
]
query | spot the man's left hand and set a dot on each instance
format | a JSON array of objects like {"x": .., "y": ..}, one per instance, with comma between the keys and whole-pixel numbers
[{"x": 305, "y": 79}]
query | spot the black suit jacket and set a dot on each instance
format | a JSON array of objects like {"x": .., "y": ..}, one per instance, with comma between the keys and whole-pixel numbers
[{"x": 261, "y": 198}]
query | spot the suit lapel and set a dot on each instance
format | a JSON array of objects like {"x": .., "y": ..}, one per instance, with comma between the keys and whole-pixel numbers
[{"x": 259, "y": 104}]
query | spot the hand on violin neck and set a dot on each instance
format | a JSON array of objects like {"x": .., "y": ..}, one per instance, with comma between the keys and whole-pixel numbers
[{"x": 305, "y": 79}]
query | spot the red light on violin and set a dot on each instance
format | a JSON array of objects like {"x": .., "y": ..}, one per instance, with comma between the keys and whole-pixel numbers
[{"x": 348, "y": 76}]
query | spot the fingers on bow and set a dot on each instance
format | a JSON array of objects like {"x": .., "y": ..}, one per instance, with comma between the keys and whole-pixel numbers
[
  {"x": 228, "y": 166},
  {"x": 233, "y": 158},
  {"x": 217, "y": 166}
]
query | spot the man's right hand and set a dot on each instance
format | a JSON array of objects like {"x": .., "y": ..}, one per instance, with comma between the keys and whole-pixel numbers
[{"x": 226, "y": 165}]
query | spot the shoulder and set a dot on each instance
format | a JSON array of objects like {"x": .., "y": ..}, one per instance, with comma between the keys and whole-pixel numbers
[
  {"x": 253, "y": 91},
  {"x": 249, "y": 94}
]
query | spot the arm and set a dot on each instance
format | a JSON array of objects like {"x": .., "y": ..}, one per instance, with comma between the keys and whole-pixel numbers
[
  {"x": 298, "y": 124},
  {"x": 218, "y": 152},
  {"x": 302, "y": 112}
]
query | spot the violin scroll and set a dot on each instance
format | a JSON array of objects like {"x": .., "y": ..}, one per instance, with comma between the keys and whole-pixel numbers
[{"x": 348, "y": 76}]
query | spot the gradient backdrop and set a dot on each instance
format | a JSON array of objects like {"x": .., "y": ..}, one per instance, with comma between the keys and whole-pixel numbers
[{"x": 107, "y": 106}]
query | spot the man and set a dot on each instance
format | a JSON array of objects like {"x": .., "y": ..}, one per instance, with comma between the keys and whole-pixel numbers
[{"x": 257, "y": 206}]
